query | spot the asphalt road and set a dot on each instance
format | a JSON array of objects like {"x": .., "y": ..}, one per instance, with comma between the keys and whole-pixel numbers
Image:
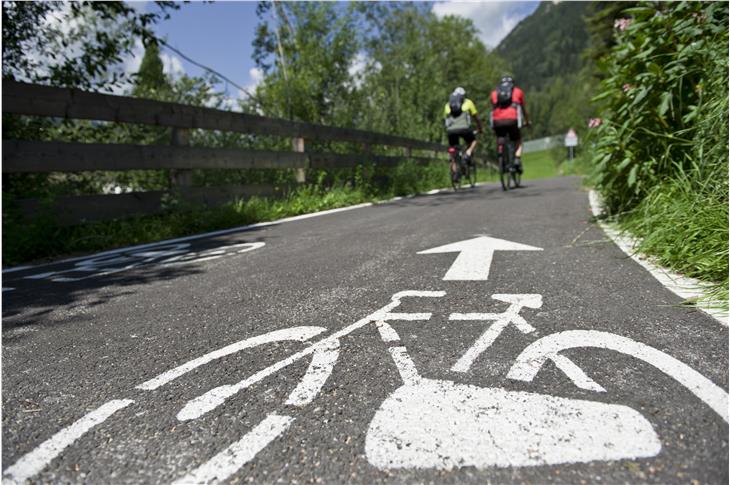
[{"x": 559, "y": 360}]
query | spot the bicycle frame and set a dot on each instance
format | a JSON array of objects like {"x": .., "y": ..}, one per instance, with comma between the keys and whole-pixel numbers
[{"x": 506, "y": 162}]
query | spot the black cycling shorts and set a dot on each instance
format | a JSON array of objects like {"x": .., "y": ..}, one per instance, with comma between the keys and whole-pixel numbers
[
  {"x": 467, "y": 135},
  {"x": 503, "y": 128}
]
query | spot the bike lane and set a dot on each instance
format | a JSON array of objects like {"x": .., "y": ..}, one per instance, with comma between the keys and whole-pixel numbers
[{"x": 550, "y": 367}]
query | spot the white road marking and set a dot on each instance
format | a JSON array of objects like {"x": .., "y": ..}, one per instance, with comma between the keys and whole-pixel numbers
[
  {"x": 510, "y": 316},
  {"x": 294, "y": 333},
  {"x": 475, "y": 256},
  {"x": 230, "y": 460},
  {"x": 162, "y": 255},
  {"x": 444, "y": 425},
  {"x": 387, "y": 333},
  {"x": 576, "y": 374},
  {"x": 17, "y": 268},
  {"x": 407, "y": 316},
  {"x": 406, "y": 368},
  {"x": 217, "y": 396},
  {"x": 682, "y": 286},
  {"x": 531, "y": 359},
  {"x": 8, "y": 289},
  {"x": 323, "y": 362},
  {"x": 37, "y": 459}
]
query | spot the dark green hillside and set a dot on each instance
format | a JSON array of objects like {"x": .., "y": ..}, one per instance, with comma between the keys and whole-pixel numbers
[{"x": 546, "y": 44}]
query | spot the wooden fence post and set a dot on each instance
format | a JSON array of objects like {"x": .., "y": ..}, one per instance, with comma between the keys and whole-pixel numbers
[
  {"x": 407, "y": 152},
  {"x": 298, "y": 146},
  {"x": 181, "y": 177}
]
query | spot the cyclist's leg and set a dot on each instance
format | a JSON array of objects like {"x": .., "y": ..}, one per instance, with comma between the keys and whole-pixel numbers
[
  {"x": 516, "y": 138},
  {"x": 453, "y": 154},
  {"x": 471, "y": 143}
]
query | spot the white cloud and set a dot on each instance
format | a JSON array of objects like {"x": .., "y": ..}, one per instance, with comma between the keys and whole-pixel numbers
[
  {"x": 255, "y": 76},
  {"x": 493, "y": 19},
  {"x": 172, "y": 65}
]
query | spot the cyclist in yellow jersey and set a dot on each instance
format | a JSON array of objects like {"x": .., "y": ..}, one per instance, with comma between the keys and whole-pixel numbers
[{"x": 459, "y": 113}]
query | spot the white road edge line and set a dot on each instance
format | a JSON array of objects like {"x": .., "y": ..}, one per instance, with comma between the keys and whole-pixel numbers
[
  {"x": 230, "y": 460},
  {"x": 232, "y": 230},
  {"x": 37, "y": 459},
  {"x": 682, "y": 286}
]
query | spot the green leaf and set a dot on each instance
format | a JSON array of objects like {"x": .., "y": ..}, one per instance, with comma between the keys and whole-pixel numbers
[
  {"x": 666, "y": 100},
  {"x": 632, "y": 175},
  {"x": 639, "y": 11}
]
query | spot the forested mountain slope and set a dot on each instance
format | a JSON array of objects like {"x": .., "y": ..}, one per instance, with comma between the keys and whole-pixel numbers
[{"x": 546, "y": 44}]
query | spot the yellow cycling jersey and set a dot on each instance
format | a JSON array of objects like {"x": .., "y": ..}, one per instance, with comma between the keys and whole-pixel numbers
[{"x": 466, "y": 107}]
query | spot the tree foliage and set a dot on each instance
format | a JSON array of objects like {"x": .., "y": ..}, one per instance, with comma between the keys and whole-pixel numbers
[
  {"x": 386, "y": 67},
  {"x": 74, "y": 44},
  {"x": 664, "y": 78}
]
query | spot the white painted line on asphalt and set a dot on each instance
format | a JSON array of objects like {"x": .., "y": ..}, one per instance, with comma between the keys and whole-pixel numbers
[
  {"x": 323, "y": 362},
  {"x": 215, "y": 397},
  {"x": 484, "y": 342},
  {"x": 406, "y": 368},
  {"x": 222, "y": 232},
  {"x": 502, "y": 320},
  {"x": 17, "y": 268},
  {"x": 444, "y": 425},
  {"x": 387, "y": 333},
  {"x": 230, "y": 460},
  {"x": 36, "y": 460},
  {"x": 294, "y": 333},
  {"x": 682, "y": 286},
  {"x": 529, "y": 362},
  {"x": 407, "y": 316},
  {"x": 576, "y": 374},
  {"x": 475, "y": 256},
  {"x": 8, "y": 289}
]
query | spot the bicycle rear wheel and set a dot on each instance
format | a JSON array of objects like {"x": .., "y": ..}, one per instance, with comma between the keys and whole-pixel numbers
[
  {"x": 472, "y": 172},
  {"x": 504, "y": 174},
  {"x": 455, "y": 176}
]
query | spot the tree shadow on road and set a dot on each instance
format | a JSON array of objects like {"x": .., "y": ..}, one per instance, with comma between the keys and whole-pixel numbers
[{"x": 30, "y": 295}]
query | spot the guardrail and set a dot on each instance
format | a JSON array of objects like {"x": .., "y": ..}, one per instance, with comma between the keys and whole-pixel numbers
[
  {"x": 45, "y": 101},
  {"x": 541, "y": 144}
]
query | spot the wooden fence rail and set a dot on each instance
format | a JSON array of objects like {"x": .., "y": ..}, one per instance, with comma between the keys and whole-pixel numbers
[{"x": 35, "y": 156}]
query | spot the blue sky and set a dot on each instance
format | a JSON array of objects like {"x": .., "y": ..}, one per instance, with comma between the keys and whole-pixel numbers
[{"x": 219, "y": 34}]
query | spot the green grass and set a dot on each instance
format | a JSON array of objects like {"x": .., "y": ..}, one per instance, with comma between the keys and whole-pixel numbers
[
  {"x": 42, "y": 240},
  {"x": 540, "y": 165},
  {"x": 686, "y": 229}
]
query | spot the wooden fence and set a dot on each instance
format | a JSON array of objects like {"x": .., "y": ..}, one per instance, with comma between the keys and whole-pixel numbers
[{"x": 35, "y": 156}]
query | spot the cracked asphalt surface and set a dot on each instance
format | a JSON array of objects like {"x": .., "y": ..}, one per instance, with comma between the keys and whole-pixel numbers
[{"x": 70, "y": 346}]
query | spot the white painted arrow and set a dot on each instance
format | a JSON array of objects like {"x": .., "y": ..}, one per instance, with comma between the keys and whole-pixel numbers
[{"x": 475, "y": 256}]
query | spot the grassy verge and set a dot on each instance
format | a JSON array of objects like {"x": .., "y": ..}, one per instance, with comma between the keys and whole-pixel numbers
[
  {"x": 42, "y": 240},
  {"x": 686, "y": 230}
]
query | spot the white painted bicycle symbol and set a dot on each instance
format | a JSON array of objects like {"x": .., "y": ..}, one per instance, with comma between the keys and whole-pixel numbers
[
  {"x": 162, "y": 255},
  {"x": 428, "y": 423}
]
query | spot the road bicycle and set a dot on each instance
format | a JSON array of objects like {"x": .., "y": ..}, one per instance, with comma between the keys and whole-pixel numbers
[
  {"x": 509, "y": 175},
  {"x": 460, "y": 170},
  {"x": 428, "y": 423}
]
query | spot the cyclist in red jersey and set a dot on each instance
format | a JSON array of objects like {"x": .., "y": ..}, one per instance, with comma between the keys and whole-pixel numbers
[{"x": 509, "y": 114}]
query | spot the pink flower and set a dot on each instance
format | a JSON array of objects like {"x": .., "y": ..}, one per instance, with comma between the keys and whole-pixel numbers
[
  {"x": 594, "y": 122},
  {"x": 627, "y": 87},
  {"x": 621, "y": 24}
]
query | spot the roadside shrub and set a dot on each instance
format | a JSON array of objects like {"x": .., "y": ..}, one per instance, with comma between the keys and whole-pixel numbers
[
  {"x": 661, "y": 160},
  {"x": 663, "y": 78}
]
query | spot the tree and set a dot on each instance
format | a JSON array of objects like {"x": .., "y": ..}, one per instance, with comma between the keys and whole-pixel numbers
[
  {"x": 74, "y": 44},
  {"x": 305, "y": 50},
  {"x": 151, "y": 81}
]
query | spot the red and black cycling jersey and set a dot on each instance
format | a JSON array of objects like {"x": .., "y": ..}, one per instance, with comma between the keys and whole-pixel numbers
[{"x": 509, "y": 113}]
